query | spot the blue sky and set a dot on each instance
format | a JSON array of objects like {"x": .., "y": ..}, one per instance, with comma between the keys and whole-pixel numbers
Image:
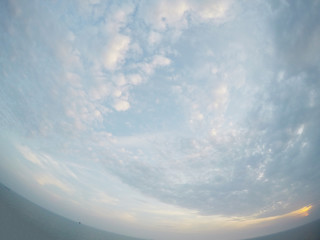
[{"x": 163, "y": 119}]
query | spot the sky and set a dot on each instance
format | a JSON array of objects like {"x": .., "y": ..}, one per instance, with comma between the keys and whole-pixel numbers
[{"x": 177, "y": 119}]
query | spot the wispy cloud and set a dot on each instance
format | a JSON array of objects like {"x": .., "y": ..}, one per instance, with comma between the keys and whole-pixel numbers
[{"x": 47, "y": 180}]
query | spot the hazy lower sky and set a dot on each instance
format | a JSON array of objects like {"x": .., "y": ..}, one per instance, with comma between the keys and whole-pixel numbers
[{"x": 163, "y": 119}]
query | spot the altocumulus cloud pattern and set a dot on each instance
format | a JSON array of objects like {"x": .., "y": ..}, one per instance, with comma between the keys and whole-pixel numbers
[{"x": 203, "y": 110}]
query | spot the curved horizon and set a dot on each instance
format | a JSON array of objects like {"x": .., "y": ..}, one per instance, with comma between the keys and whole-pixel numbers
[{"x": 164, "y": 119}]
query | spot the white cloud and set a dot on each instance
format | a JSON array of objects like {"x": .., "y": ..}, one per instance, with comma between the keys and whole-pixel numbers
[
  {"x": 83, "y": 111},
  {"x": 118, "y": 17},
  {"x": 135, "y": 79},
  {"x": 300, "y": 130},
  {"x": 208, "y": 10},
  {"x": 119, "y": 80},
  {"x": 213, "y": 132},
  {"x": 214, "y": 70},
  {"x": 121, "y": 105},
  {"x": 160, "y": 61},
  {"x": 101, "y": 197},
  {"x": 249, "y": 131},
  {"x": 100, "y": 92},
  {"x": 166, "y": 14},
  {"x": 45, "y": 180},
  {"x": 220, "y": 97},
  {"x": 49, "y": 171},
  {"x": 173, "y": 14},
  {"x": 117, "y": 93},
  {"x": 115, "y": 52},
  {"x": 71, "y": 37},
  {"x": 118, "y": 45},
  {"x": 157, "y": 61},
  {"x": 46, "y": 162},
  {"x": 154, "y": 38},
  {"x": 29, "y": 155},
  {"x": 69, "y": 55}
]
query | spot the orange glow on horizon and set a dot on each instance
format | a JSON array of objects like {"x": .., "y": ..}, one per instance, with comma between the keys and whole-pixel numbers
[{"x": 302, "y": 211}]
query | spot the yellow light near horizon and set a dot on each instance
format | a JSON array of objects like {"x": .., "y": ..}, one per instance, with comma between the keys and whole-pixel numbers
[
  {"x": 192, "y": 222},
  {"x": 303, "y": 211}
]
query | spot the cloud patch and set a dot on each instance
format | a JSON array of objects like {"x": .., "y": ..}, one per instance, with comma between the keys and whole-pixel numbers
[
  {"x": 115, "y": 52},
  {"x": 121, "y": 105}
]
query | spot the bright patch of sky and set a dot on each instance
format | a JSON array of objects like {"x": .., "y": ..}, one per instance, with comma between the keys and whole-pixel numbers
[{"x": 164, "y": 118}]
